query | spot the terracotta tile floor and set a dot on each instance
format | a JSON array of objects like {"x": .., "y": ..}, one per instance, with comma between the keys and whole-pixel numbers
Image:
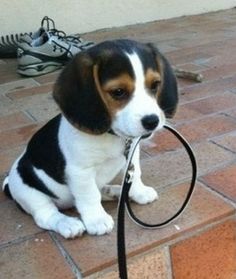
[{"x": 202, "y": 242}]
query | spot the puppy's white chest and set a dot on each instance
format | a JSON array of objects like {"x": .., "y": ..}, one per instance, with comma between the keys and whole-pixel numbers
[{"x": 86, "y": 150}]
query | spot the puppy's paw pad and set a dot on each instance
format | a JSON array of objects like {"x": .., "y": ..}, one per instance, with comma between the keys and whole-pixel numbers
[
  {"x": 144, "y": 195},
  {"x": 99, "y": 224},
  {"x": 70, "y": 227}
]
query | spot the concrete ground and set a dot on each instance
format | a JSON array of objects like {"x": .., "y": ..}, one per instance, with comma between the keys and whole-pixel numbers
[{"x": 202, "y": 242}]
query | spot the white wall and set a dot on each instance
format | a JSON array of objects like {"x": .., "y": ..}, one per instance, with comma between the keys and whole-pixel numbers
[{"x": 74, "y": 16}]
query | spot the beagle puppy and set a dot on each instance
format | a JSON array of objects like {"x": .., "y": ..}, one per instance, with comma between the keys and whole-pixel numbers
[{"x": 107, "y": 94}]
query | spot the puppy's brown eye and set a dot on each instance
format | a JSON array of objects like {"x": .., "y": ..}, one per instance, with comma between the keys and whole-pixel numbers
[
  {"x": 119, "y": 94},
  {"x": 154, "y": 86}
]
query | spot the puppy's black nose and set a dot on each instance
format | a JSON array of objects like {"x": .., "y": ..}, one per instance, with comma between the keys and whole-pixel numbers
[{"x": 150, "y": 122}]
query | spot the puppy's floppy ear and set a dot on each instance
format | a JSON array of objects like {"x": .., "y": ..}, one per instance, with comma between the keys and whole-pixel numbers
[
  {"x": 168, "y": 94},
  {"x": 76, "y": 94}
]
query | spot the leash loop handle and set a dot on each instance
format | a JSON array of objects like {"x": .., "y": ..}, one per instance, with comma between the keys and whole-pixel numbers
[{"x": 124, "y": 202}]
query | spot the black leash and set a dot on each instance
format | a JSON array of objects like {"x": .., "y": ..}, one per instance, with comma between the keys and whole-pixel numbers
[{"x": 125, "y": 203}]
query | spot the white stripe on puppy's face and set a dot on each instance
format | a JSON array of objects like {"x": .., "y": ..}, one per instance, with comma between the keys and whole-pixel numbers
[{"x": 143, "y": 107}]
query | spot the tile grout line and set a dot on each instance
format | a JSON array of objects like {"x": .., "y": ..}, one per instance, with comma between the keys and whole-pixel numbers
[
  {"x": 33, "y": 84},
  {"x": 166, "y": 246},
  {"x": 201, "y": 98},
  {"x": 69, "y": 260},
  {"x": 203, "y": 172},
  {"x": 227, "y": 114},
  {"x": 180, "y": 122},
  {"x": 197, "y": 231},
  {"x": 217, "y": 193},
  {"x": 169, "y": 264},
  {"x": 19, "y": 240},
  {"x": 30, "y": 116},
  {"x": 222, "y": 146}
]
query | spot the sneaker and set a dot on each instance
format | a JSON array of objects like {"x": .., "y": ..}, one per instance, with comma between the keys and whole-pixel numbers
[
  {"x": 9, "y": 44},
  {"x": 47, "y": 50}
]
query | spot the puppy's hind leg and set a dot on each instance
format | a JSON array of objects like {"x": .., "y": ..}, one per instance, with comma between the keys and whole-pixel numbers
[
  {"x": 48, "y": 217},
  {"x": 42, "y": 208}
]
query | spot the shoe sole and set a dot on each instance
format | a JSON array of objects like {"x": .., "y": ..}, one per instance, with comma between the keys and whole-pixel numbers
[{"x": 38, "y": 69}]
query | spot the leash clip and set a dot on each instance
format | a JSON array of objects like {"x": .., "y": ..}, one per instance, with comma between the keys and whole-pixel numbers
[{"x": 130, "y": 174}]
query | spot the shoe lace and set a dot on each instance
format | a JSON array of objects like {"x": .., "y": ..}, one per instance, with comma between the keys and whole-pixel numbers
[
  {"x": 48, "y": 21},
  {"x": 61, "y": 35},
  {"x": 74, "y": 39},
  {"x": 51, "y": 28}
]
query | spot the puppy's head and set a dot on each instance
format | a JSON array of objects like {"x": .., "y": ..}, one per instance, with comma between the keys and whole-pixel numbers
[{"x": 120, "y": 85}]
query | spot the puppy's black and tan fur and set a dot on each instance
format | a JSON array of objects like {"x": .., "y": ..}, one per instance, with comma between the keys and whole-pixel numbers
[{"x": 113, "y": 91}]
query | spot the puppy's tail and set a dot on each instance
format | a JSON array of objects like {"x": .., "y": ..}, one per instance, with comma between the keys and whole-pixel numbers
[{"x": 5, "y": 188}]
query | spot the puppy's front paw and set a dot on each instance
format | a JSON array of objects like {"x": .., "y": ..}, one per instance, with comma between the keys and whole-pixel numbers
[
  {"x": 69, "y": 227},
  {"x": 98, "y": 222},
  {"x": 143, "y": 194}
]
